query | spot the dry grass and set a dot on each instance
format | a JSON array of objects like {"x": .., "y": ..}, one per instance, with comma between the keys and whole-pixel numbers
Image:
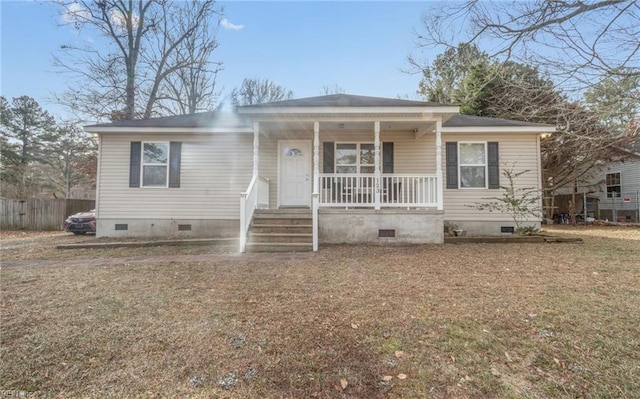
[{"x": 460, "y": 321}]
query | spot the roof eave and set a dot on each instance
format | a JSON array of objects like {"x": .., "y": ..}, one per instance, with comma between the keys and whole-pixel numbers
[
  {"x": 166, "y": 130},
  {"x": 499, "y": 129}
]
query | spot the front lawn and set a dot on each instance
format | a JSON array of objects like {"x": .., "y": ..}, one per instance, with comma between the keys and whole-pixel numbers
[{"x": 434, "y": 321}]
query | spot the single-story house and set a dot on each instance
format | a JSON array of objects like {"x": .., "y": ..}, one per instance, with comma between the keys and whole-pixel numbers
[{"x": 351, "y": 169}]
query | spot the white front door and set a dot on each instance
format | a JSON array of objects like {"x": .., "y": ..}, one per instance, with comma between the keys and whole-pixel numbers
[{"x": 294, "y": 177}]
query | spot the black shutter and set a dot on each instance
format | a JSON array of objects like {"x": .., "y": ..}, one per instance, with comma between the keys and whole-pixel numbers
[
  {"x": 452, "y": 164},
  {"x": 387, "y": 157},
  {"x": 494, "y": 164},
  {"x": 175, "y": 149},
  {"x": 134, "y": 164},
  {"x": 327, "y": 157}
]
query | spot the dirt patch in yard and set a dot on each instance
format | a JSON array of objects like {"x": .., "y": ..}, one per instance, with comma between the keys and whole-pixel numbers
[{"x": 437, "y": 321}]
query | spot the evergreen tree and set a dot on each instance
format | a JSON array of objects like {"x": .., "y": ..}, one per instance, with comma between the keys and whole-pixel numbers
[{"x": 27, "y": 132}]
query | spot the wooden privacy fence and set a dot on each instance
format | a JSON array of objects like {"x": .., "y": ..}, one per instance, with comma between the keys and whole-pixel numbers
[{"x": 40, "y": 214}]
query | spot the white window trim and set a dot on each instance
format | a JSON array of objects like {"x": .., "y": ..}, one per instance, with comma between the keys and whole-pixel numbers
[
  {"x": 143, "y": 164},
  {"x": 486, "y": 166},
  {"x": 606, "y": 186},
  {"x": 358, "y": 163}
]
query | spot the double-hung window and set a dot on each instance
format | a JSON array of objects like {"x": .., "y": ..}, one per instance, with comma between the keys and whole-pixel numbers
[
  {"x": 473, "y": 165},
  {"x": 155, "y": 164},
  {"x": 612, "y": 181},
  {"x": 354, "y": 158}
]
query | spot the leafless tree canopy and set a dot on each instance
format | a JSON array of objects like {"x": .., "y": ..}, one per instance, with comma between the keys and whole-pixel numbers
[
  {"x": 332, "y": 89},
  {"x": 580, "y": 41},
  {"x": 151, "y": 57},
  {"x": 257, "y": 91}
]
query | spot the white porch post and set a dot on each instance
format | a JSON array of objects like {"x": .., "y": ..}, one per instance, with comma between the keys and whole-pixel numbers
[
  {"x": 256, "y": 148},
  {"x": 376, "y": 168},
  {"x": 439, "y": 181},
  {"x": 316, "y": 157},
  {"x": 316, "y": 183}
]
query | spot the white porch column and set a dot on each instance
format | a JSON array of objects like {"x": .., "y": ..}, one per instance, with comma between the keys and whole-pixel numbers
[
  {"x": 439, "y": 181},
  {"x": 256, "y": 148},
  {"x": 315, "y": 196},
  {"x": 376, "y": 168},
  {"x": 316, "y": 157}
]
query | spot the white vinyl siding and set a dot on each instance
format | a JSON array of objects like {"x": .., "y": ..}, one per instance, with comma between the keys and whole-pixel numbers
[
  {"x": 629, "y": 185},
  {"x": 519, "y": 150},
  {"x": 215, "y": 169},
  {"x": 411, "y": 155}
]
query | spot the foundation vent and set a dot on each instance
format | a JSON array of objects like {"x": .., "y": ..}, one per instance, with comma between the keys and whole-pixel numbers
[
  {"x": 122, "y": 227},
  {"x": 184, "y": 227},
  {"x": 386, "y": 233},
  {"x": 507, "y": 229}
]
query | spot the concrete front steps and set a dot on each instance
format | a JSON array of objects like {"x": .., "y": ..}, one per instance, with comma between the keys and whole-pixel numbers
[{"x": 281, "y": 230}]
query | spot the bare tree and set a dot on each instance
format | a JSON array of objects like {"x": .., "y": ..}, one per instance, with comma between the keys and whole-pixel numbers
[
  {"x": 584, "y": 140},
  {"x": 333, "y": 89},
  {"x": 146, "y": 43},
  {"x": 193, "y": 88},
  {"x": 68, "y": 157},
  {"x": 256, "y": 91},
  {"x": 577, "y": 40}
]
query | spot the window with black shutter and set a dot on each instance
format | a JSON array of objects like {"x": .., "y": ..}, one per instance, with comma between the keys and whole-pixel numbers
[
  {"x": 472, "y": 165},
  {"x": 155, "y": 164}
]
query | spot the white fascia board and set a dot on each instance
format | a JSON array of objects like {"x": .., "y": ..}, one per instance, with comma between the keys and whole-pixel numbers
[
  {"x": 349, "y": 110},
  {"x": 168, "y": 130},
  {"x": 499, "y": 129}
]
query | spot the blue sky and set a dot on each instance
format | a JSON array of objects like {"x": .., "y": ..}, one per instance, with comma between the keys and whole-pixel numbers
[{"x": 303, "y": 46}]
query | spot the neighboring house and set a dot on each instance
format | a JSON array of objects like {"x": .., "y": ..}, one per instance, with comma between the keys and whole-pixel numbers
[
  {"x": 611, "y": 189},
  {"x": 618, "y": 187},
  {"x": 363, "y": 169}
]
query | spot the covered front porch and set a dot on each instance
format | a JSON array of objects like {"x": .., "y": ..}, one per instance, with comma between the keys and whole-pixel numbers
[{"x": 373, "y": 176}]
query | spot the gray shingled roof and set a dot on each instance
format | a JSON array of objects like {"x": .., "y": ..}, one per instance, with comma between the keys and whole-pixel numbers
[
  {"x": 232, "y": 120},
  {"x": 634, "y": 146},
  {"x": 343, "y": 100},
  {"x": 199, "y": 120},
  {"x": 481, "y": 121}
]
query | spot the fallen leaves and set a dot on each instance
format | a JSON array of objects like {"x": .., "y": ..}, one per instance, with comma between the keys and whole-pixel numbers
[{"x": 348, "y": 359}]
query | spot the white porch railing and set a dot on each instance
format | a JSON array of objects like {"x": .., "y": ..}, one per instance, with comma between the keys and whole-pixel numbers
[
  {"x": 396, "y": 190},
  {"x": 256, "y": 196}
]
